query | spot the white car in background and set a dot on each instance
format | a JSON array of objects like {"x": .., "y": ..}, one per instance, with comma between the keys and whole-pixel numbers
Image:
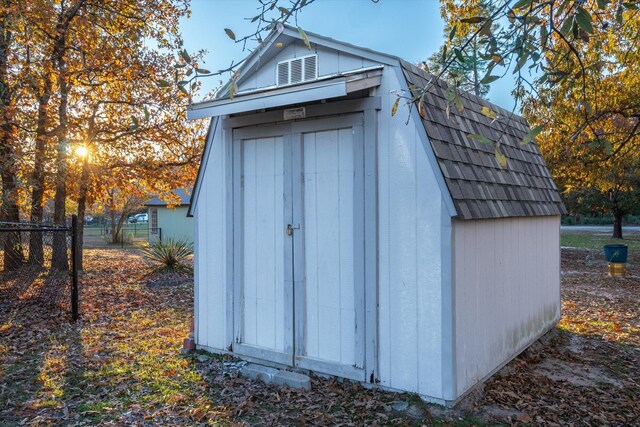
[{"x": 143, "y": 217}]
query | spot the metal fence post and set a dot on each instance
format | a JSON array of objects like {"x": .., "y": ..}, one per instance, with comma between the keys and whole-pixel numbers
[{"x": 74, "y": 267}]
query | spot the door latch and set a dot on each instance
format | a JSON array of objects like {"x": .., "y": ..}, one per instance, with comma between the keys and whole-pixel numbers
[{"x": 291, "y": 227}]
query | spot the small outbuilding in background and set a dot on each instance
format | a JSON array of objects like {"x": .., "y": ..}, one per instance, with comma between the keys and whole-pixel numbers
[
  {"x": 333, "y": 237},
  {"x": 169, "y": 220}
]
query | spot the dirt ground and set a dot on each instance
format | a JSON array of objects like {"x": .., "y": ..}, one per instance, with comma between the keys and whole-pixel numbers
[{"x": 120, "y": 364}]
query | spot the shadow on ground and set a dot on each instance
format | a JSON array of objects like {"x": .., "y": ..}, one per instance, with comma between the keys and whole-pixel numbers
[{"x": 120, "y": 364}]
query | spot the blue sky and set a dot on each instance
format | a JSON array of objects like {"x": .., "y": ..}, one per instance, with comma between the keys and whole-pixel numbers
[{"x": 410, "y": 29}]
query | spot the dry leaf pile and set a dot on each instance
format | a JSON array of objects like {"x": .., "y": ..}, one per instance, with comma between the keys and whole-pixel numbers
[{"x": 120, "y": 365}]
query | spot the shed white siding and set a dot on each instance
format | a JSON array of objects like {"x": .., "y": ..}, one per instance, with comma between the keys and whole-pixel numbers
[
  {"x": 329, "y": 62},
  {"x": 413, "y": 257},
  {"x": 506, "y": 293},
  {"x": 211, "y": 249}
]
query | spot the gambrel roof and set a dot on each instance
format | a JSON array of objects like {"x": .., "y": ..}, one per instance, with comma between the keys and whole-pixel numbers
[{"x": 479, "y": 186}]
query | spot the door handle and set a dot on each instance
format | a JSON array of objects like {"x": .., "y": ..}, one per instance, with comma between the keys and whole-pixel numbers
[{"x": 291, "y": 227}]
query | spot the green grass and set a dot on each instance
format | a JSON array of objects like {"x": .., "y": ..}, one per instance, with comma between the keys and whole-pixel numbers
[
  {"x": 130, "y": 230},
  {"x": 596, "y": 240}
]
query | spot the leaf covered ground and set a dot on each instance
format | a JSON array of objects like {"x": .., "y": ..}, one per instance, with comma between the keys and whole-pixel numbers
[{"x": 120, "y": 364}]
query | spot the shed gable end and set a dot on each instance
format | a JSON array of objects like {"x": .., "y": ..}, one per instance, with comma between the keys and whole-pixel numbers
[{"x": 294, "y": 63}]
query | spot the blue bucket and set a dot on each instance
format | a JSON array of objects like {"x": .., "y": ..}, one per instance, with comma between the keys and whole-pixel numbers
[{"x": 615, "y": 253}]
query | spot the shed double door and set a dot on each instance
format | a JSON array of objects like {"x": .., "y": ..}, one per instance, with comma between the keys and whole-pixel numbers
[{"x": 298, "y": 245}]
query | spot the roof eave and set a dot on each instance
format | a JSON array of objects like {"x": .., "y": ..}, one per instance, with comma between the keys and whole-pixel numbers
[{"x": 327, "y": 87}]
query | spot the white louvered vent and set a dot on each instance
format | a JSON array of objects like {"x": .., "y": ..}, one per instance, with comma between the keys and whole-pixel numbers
[
  {"x": 295, "y": 67},
  {"x": 283, "y": 73},
  {"x": 297, "y": 70},
  {"x": 310, "y": 67}
]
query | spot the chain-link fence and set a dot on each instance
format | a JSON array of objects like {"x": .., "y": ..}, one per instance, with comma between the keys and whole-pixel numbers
[{"x": 38, "y": 266}]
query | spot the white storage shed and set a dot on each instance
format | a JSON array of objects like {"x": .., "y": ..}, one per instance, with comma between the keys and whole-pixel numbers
[{"x": 333, "y": 237}]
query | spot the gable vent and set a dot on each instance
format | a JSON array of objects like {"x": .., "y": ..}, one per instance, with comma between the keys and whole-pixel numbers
[
  {"x": 297, "y": 70},
  {"x": 310, "y": 67}
]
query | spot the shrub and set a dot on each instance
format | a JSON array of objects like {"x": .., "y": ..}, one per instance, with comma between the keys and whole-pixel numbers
[{"x": 172, "y": 255}]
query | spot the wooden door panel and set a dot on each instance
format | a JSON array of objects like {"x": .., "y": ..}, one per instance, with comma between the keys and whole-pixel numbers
[
  {"x": 330, "y": 298},
  {"x": 263, "y": 303}
]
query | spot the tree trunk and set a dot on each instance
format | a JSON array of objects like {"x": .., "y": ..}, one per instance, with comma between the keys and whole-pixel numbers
[
  {"x": 114, "y": 231},
  {"x": 121, "y": 221},
  {"x": 60, "y": 259},
  {"x": 9, "y": 210},
  {"x": 36, "y": 252},
  {"x": 82, "y": 205},
  {"x": 617, "y": 224}
]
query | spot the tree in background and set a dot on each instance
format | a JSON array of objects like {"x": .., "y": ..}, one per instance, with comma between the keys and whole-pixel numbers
[
  {"x": 590, "y": 108},
  {"x": 85, "y": 74},
  {"x": 469, "y": 73},
  {"x": 9, "y": 93}
]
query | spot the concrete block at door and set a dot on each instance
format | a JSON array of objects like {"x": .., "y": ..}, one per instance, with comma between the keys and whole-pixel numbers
[
  {"x": 293, "y": 380},
  {"x": 259, "y": 373}
]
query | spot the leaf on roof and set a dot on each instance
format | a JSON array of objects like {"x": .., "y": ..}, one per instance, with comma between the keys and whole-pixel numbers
[
  {"x": 450, "y": 94},
  {"x": 487, "y": 112},
  {"x": 501, "y": 158},
  {"x": 480, "y": 138},
  {"x": 422, "y": 110},
  {"x": 458, "y": 104}
]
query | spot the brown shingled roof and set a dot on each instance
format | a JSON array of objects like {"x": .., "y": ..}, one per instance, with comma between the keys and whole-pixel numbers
[{"x": 479, "y": 187}]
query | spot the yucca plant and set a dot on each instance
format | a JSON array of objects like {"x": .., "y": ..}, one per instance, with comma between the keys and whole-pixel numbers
[{"x": 172, "y": 255}]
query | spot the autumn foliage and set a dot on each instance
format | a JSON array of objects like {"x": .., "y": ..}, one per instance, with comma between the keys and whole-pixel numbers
[
  {"x": 84, "y": 121},
  {"x": 590, "y": 107}
]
